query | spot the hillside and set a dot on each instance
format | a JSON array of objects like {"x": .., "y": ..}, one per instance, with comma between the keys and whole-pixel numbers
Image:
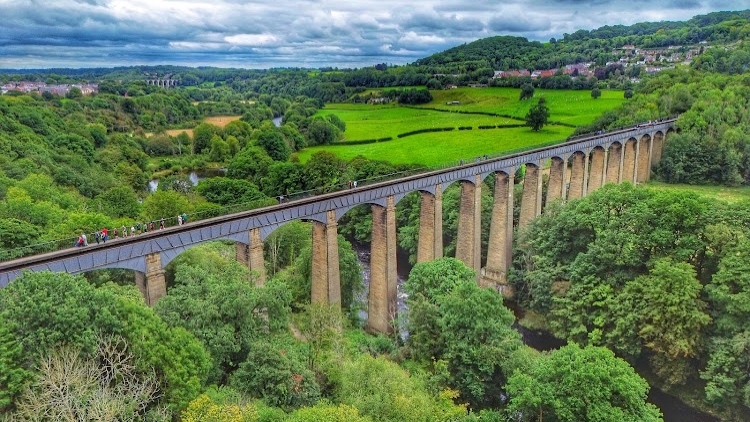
[{"x": 505, "y": 52}]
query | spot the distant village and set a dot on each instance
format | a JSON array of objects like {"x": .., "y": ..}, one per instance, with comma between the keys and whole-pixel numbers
[
  {"x": 41, "y": 87},
  {"x": 653, "y": 60}
]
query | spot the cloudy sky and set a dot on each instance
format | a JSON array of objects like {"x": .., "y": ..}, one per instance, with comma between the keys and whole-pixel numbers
[{"x": 307, "y": 33}]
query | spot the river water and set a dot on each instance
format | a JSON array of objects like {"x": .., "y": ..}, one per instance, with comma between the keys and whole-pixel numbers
[
  {"x": 673, "y": 409},
  {"x": 195, "y": 176}
]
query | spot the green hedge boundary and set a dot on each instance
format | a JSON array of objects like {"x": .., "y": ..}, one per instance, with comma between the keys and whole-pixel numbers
[{"x": 428, "y": 130}]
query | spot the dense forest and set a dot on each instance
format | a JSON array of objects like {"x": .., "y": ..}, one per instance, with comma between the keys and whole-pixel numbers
[{"x": 662, "y": 288}]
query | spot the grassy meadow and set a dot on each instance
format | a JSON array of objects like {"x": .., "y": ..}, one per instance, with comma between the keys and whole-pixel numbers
[
  {"x": 368, "y": 121},
  {"x": 575, "y": 107},
  {"x": 431, "y": 149},
  {"x": 389, "y": 120}
]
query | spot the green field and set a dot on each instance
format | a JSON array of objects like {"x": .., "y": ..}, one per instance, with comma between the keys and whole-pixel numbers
[
  {"x": 381, "y": 121},
  {"x": 724, "y": 193},
  {"x": 566, "y": 106},
  {"x": 431, "y": 149}
]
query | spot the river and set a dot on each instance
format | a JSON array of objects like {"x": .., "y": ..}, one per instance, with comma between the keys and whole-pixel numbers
[
  {"x": 195, "y": 176},
  {"x": 673, "y": 409}
]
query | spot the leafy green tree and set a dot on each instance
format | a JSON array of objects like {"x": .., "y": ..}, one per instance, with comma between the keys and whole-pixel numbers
[
  {"x": 443, "y": 296},
  {"x": 99, "y": 133},
  {"x": 202, "y": 135},
  {"x": 17, "y": 233},
  {"x": 669, "y": 314},
  {"x": 384, "y": 391},
  {"x": 164, "y": 204},
  {"x": 336, "y": 121},
  {"x": 728, "y": 368},
  {"x": 251, "y": 163},
  {"x": 220, "y": 150},
  {"x": 13, "y": 374},
  {"x": 226, "y": 191},
  {"x": 45, "y": 310},
  {"x": 205, "y": 409},
  {"x": 527, "y": 91},
  {"x": 223, "y": 311},
  {"x": 322, "y": 132},
  {"x": 596, "y": 93},
  {"x": 537, "y": 116},
  {"x": 576, "y": 260},
  {"x": 327, "y": 412},
  {"x": 321, "y": 328},
  {"x": 119, "y": 201},
  {"x": 282, "y": 247},
  {"x": 277, "y": 374},
  {"x": 284, "y": 179},
  {"x": 628, "y": 94},
  {"x": 580, "y": 384},
  {"x": 74, "y": 93},
  {"x": 272, "y": 140},
  {"x": 323, "y": 170}
]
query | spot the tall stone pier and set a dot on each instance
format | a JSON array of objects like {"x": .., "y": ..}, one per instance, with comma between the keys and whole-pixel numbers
[
  {"x": 152, "y": 284},
  {"x": 501, "y": 236},
  {"x": 382, "y": 300},
  {"x": 326, "y": 276}
]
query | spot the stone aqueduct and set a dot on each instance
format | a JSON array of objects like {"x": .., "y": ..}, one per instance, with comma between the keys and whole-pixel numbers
[{"x": 587, "y": 163}]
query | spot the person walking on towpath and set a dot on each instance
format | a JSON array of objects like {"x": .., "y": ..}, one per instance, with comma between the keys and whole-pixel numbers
[
  {"x": 116, "y": 235},
  {"x": 85, "y": 241},
  {"x": 151, "y": 227},
  {"x": 161, "y": 223},
  {"x": 105, "y": 234},
  {"x": 179, "y": 220},
  {"x": 98, "y": 237},
  {"x": 184, "y": 218},
  {"x": 79, "y": 242}
]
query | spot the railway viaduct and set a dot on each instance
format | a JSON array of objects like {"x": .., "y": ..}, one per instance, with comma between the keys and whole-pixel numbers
[{"x": 576, "y": 168}]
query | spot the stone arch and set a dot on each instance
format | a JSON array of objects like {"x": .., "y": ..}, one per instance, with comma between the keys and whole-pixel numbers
[
  {"x": 628, "y": 161},
  {"x": 613, "y": 162},
  {"x": 597, "y": 169},
  {"x": 643, "y": 171}
]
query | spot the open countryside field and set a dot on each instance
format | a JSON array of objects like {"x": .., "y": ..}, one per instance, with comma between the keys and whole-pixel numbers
[
  {"x": 575, "y": 107},
  {"x": 381, "y": 121},
  {"x": 724, "y": 193},
  {"x": 219, "y": 121},
  {"x": 431, "y": 149}
]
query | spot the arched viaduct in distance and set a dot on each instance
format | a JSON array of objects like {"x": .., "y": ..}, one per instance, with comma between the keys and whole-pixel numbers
[{"x": 576, "y": 168}]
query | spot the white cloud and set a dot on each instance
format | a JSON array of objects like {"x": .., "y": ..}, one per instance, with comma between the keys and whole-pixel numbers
[
  {"x": 251, "y": 39},
  {"x": 50, "y": 33}
]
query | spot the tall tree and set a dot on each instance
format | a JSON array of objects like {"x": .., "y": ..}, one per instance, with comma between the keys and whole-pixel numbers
[
  {"x": 537, "y": 116},
  {"x": 580, "y": 384}
]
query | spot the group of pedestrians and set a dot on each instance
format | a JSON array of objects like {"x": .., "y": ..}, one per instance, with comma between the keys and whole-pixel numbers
[{"x": 134, "y": 230}]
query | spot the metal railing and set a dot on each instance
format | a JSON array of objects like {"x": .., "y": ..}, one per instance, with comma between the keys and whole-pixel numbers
[{"x": 70, "y": 242}]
